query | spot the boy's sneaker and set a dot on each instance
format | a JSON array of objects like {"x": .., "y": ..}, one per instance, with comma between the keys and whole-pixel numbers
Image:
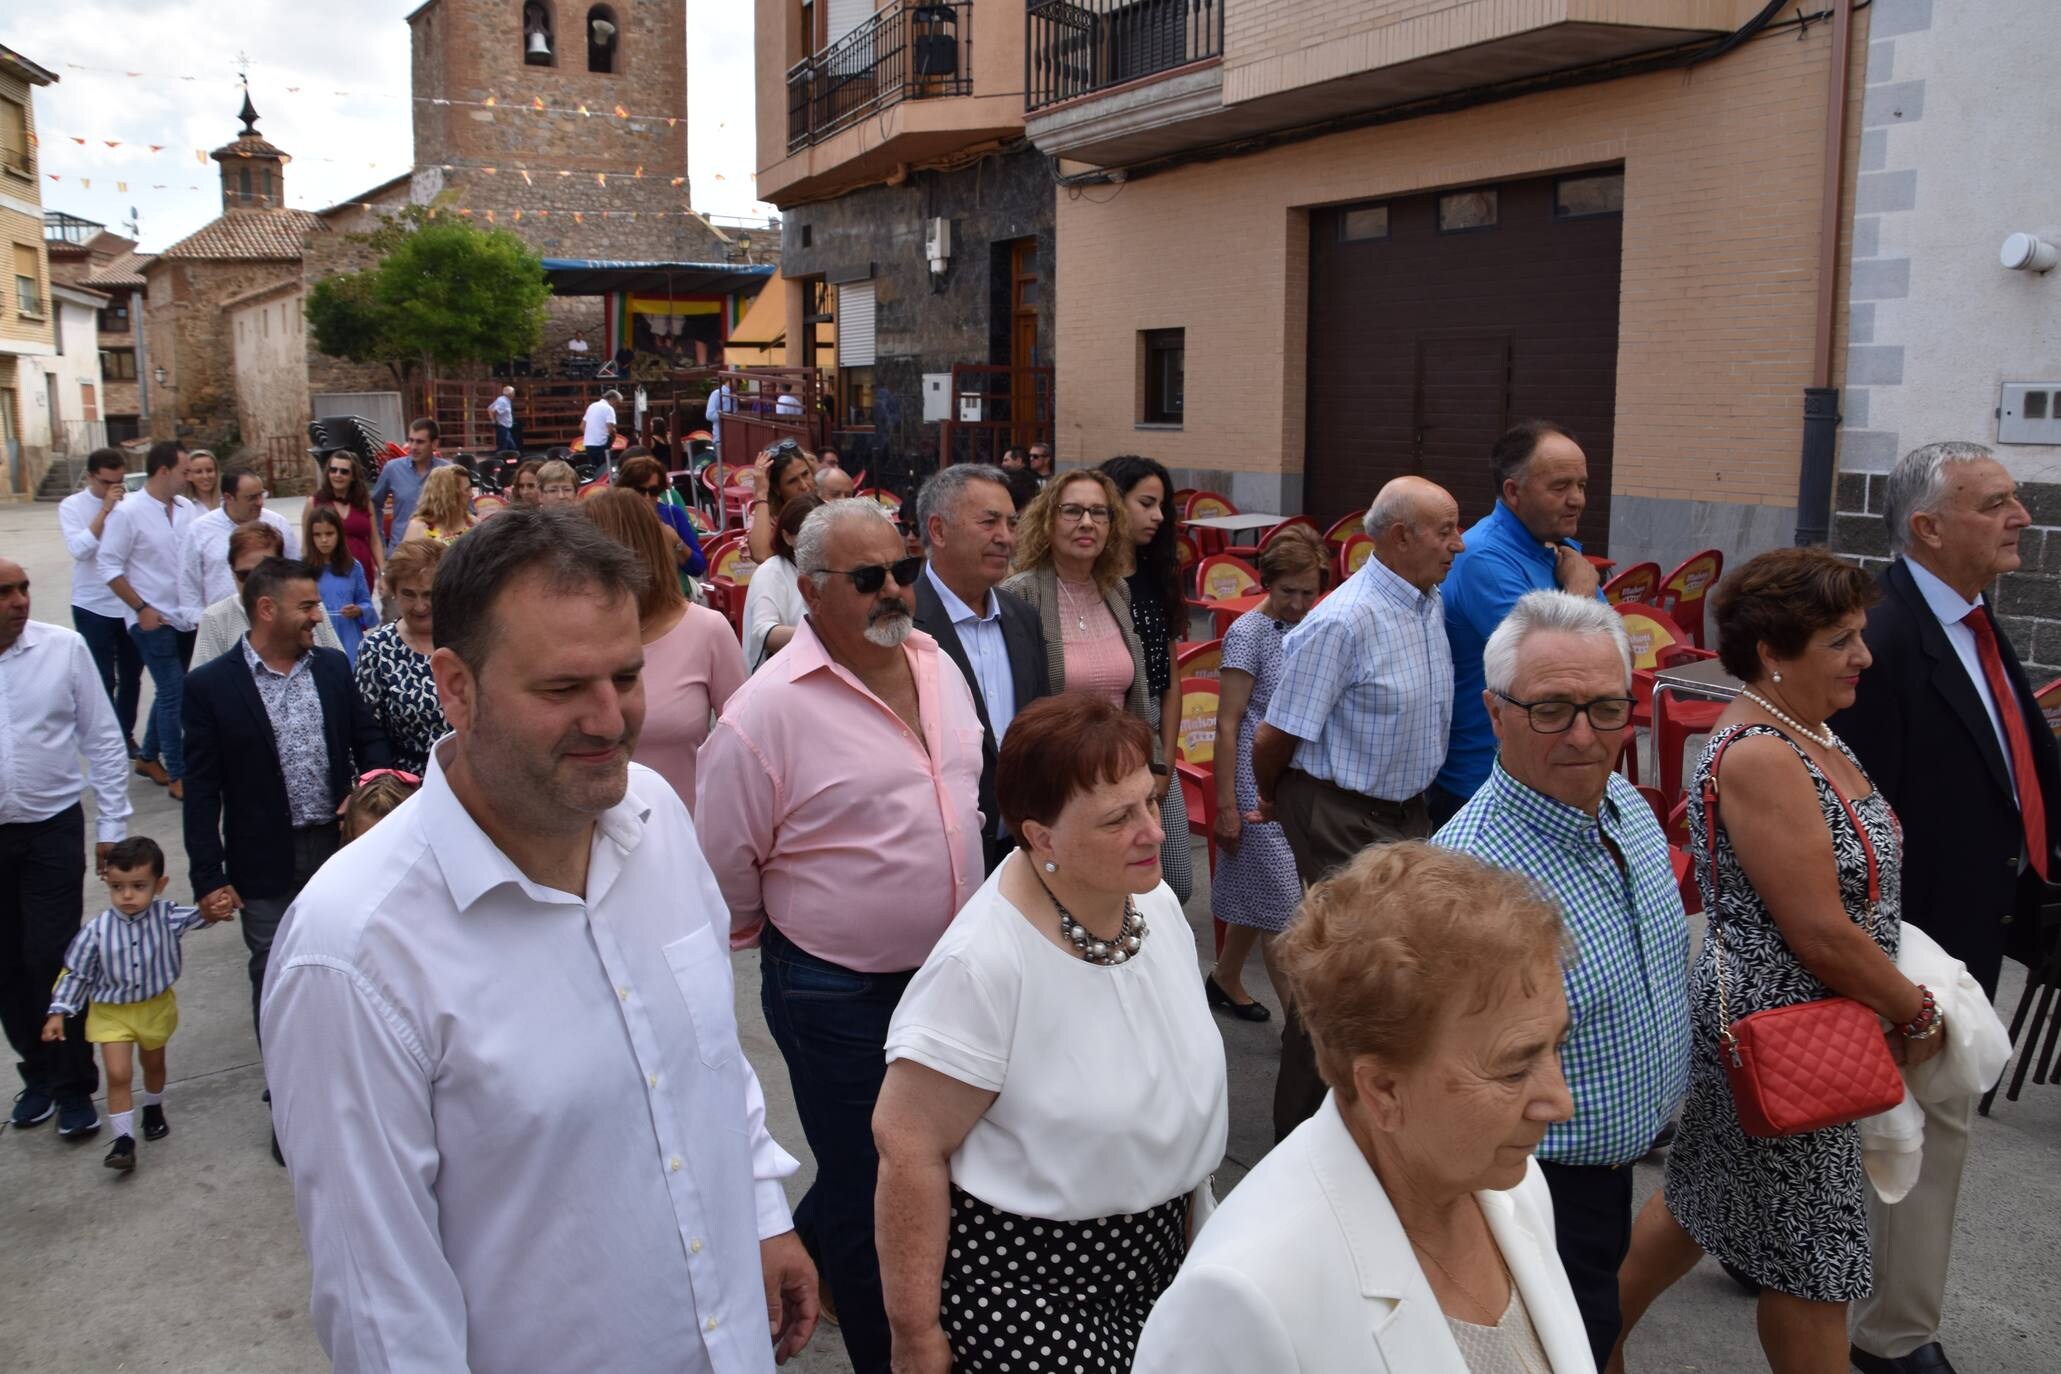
[
  {"x": 32, "y": 1107},
  {"x": 155, "y": 1127},
  {"x": 77, "y": 1119},
  {"x": 122, "y": 1154}
]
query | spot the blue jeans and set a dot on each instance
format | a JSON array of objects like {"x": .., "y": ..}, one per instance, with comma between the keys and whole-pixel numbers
[
  {"x": 165, "y": 740},
  {"x": 831, "y": 1026},
  {"x": 121, "y": 667},
  {"x": 505, "y": 439}
]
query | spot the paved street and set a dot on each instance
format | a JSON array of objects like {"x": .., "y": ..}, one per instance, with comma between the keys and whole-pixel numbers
[{"x": 193, "y": 1263}]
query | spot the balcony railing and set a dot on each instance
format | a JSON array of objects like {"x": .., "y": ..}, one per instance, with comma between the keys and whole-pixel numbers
[
  {"x": 1077, "y": 47},
  {"x": 906, "y": 52}
]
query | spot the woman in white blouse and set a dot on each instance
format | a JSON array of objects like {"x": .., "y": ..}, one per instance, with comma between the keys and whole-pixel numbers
[
  {"x": 1403, "y": 1229},
  {"x": 773, "y": 605},
  {"x": 1055, "y": 1101}
]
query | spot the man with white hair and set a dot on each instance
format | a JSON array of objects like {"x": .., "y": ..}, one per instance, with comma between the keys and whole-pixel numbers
[
  {"x": 1946, "y": 725},
  {"x": 502, "y": 408},
  {"x": 1357, "y": 727},
  {"x": 1558, "y": 695},
  {"x": 834, "y": 483},
  {"x": 598, "y": 427},
  {"x": 843, "y": 823}
]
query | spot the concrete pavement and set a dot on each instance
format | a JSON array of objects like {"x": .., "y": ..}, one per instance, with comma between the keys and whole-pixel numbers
[{"x": 194, "y": 1262}]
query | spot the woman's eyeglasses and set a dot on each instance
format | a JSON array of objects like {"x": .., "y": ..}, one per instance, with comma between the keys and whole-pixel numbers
[
  {"x": 655, "y": 491},
  {"x": 870, "y": 580},
  {"x": 1075, "y": 515},
  {"x": 1557, "y": 717}
]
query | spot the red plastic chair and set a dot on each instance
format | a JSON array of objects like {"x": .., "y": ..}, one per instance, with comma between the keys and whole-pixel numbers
[
  {"x": 1657, "y": 643},
  {"x": 1200, "y": 506},
  {"x": 1187, "y": 553},
  {"x": 1197, "y": 766},
  {"x": 1204, "y": 659},
  {"x": 1354, "y": 553},
  {"x": 1683, "y": 591},
  {"x": 1220, "y": 576},
  {"x": 1639, "y": 582},
  {"x": 1345, "y": 527}
]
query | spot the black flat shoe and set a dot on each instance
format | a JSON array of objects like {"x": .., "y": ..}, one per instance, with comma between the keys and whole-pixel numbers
[
  {"x": 155, "y": 1127},
  {"x": 1926, "y": 1359},
  {"x": 121, "y": 1156},
  {"x": 1222, "y": 1001}
]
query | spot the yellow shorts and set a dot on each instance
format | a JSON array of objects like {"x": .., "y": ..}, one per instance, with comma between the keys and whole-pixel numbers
[{"x": 148, "y": 1023}]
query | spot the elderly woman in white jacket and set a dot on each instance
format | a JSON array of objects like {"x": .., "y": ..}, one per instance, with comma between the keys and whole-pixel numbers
[{"x": 1403, "y": 1228}]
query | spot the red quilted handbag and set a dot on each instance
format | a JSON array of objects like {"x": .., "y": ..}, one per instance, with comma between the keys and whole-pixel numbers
[{"x": 1808, "y": 1065}]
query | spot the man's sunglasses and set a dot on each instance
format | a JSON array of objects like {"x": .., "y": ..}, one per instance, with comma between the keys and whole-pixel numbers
[{"x": 870, "y": 580}]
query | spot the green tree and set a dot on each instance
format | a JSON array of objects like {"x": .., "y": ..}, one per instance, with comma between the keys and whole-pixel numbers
[{"x": 444, "y": 293}]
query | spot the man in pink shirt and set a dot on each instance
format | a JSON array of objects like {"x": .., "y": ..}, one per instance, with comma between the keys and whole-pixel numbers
[{"x": 842, "y": 820}]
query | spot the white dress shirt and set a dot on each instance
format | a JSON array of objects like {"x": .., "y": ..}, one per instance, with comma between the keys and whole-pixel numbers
[
  {"x": 53, "y": 708},
  {"x": 771, "y": 599},
  {"x": 594, "y": 427},
  {"x": 75, "y": 516},
  {"x": 520, "y": 1129},
  {"x": 226, "y": 622},
  {"x": 204, "y": 575},
  {"x": 141, "y": 541},
  {"x": 1953, "y": 611}
]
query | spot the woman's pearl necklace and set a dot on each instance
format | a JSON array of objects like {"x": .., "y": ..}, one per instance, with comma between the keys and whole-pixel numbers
[{"x": 1822, "y": 736}]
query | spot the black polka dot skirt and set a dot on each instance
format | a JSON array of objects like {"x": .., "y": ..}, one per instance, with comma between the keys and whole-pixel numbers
[{"x": 1030, "y": 1296}]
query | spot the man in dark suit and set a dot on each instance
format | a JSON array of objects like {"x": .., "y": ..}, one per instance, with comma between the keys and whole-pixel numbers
[
  {"x": 1946, "y": 725},
  {"x": 278, "y": 735},
  {"x": 968, "y": 520}
]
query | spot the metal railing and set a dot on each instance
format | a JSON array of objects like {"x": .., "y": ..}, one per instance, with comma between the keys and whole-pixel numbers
[
  {"x": 909, "y": 51},
  {"x": 1074, "y": 48}
]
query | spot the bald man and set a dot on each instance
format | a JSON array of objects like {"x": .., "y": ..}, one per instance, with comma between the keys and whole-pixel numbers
[
  {"x": 1357, "y": 728},
  {"x": 833, "y": 483}
]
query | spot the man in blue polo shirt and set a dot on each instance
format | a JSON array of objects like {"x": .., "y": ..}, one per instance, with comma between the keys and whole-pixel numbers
[{"x": 1525, "y": 544}]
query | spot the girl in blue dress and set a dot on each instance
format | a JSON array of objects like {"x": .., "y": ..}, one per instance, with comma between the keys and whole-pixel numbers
[{"x": 345, "y": 593}]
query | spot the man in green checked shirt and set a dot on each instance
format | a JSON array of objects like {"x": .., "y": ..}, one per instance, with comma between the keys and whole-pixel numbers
[{"x": 1559, "y": 696}]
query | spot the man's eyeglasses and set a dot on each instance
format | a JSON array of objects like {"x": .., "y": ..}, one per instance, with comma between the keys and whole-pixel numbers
[
  {"x": 1075, "y": 515},
  {"x": 870, "y": 580},
  {"x": 1557, "y": 717}
]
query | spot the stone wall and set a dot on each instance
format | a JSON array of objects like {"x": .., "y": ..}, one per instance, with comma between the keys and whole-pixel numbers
[
  {"x": 926, "y": 322},
  {"x": 2027, "y": 603},
  {"x": 189, "y": 336}
]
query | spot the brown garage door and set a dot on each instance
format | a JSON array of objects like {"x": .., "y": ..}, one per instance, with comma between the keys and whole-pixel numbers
[{"x": 1437, "y": 320}]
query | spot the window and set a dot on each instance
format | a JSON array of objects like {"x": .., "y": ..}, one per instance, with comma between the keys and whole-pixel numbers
[
  {"x": 856, "y": 403},
  {"x": 28, "y": 281},
  {"x": 539, "y": 41},
  {"x": 1599, "y": 193},
  {"x": 855, "y": 352},
  {"x": 1165, "y": 368},
  {"x": 602, "y": 39},
  {"x": 115, "y": 319},
  {"x": 14, "y": 138},
  {"x": 243, "y": 185},
  {"x": 1363, "y": 222},
  {"x": 1466, "y": 210},
  {"x": 118, "y": 364},
  {"x": 89, "y": 402}
]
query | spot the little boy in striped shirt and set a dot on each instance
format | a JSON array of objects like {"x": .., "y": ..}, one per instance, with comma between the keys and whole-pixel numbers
[{"x": 125, "y": 961}]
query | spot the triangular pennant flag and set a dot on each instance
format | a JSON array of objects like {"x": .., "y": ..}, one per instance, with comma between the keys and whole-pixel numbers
[
  {"x": 466, "y": 213},
  {"x": 80, "y": 141},
  {"x": 121, "y": 186},
  {"x": 640, "y": 169},
  {"x": 490, "y": 102},
  {"x": 490, "y": 216},
  {"x": 526, "y": 178},
  {"x": 86, "y": 182},
  {"x": 517, "y": 215},
  {"x": 601, "y": 179},
  {"x": 541, "y": 214},
  {"x": 490, "y": 171},
  {"x": 112, "y": 142},
  {"x": 537, "y": 103},
  {"x": 585, "y": 112},
  {"x": 200, "y": 155},
  {"x": 157, "y": 147},
  {"x": 679, "y": 181},
  {"x": 621, "y": 113},
  {"x": 52, "y": 175},
  {"x": 672, "y": 120},
  {"x": 293, "y": 90},
  {"x": 579, "y": 218},
  {"x": 564, "y": 172}
]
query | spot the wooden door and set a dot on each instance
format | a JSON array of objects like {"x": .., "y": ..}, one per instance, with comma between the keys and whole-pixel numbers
[{"x": 1023, "y": 341}]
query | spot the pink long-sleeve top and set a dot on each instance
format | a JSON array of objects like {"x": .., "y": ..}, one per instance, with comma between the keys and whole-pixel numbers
[{"x": 820, "y": 811}]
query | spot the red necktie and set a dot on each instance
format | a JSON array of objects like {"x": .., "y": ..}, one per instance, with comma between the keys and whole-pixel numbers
[{"x": 2032, "y": 807}]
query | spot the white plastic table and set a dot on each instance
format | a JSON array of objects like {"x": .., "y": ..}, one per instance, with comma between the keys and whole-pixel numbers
[{"x": 1231, "y": 524}]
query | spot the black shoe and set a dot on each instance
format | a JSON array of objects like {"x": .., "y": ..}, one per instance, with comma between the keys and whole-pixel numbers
[
  {"x": 155, "y": 1127},
  {"x": 77, "y": 1119},
  {"x": 1743, "y": 1279},
  {"x": 122, "y": 1154},
  {"x": 277, "y": 1158},
  {"x": 1926, "y": 1359},
  {"x": 1221, "y": 1000},
  {"x": 32, "y": 1107}
]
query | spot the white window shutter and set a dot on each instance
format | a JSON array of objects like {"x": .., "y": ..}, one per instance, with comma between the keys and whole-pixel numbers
[{"x": 855, "y": 325}]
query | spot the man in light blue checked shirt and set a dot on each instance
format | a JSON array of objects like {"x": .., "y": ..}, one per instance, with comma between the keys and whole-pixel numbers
[
  {"x": 1558, "y": 671},
  {"x": 1357, "y": 728}
]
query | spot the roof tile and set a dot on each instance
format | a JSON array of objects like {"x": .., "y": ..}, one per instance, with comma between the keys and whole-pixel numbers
[{"x": 260, "y": 235}]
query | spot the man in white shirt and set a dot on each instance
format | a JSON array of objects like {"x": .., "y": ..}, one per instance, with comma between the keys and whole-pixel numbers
[
  {"x": 53, "y": 709},
  {"x": 722, "y": 401},
  {"x": 502, "y": 409},
  {"x": 139, "y": 561},
  {"x": 788, "y": 403},
  {"x": 505, "y": 1069},
  {"x": 597, "y": 428},
  {"x": 577, "y": 343},
  {"x": 96, "y": 613},
  {"x": 204, "y": 576}
]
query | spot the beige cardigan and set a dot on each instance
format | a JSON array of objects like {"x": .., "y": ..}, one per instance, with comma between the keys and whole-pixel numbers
[{"x": 1040, "y": 587}]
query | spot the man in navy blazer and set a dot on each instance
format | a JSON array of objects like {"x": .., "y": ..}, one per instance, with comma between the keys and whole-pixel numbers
[
  {"x": 1975, "y": 777},
  {"x": 968, "y": 521},
  {"x": 276, "y": 738}
]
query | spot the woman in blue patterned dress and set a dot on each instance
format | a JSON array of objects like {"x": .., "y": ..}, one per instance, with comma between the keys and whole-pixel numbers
[
  {"x": 1255, "y": 889},
  {"x": 1801, "y": 872}
]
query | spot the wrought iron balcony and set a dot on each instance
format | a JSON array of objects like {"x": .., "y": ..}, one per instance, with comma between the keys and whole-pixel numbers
[
  {"x": 908, "y": 51},
  {"x": 1077, "y": 47}
]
